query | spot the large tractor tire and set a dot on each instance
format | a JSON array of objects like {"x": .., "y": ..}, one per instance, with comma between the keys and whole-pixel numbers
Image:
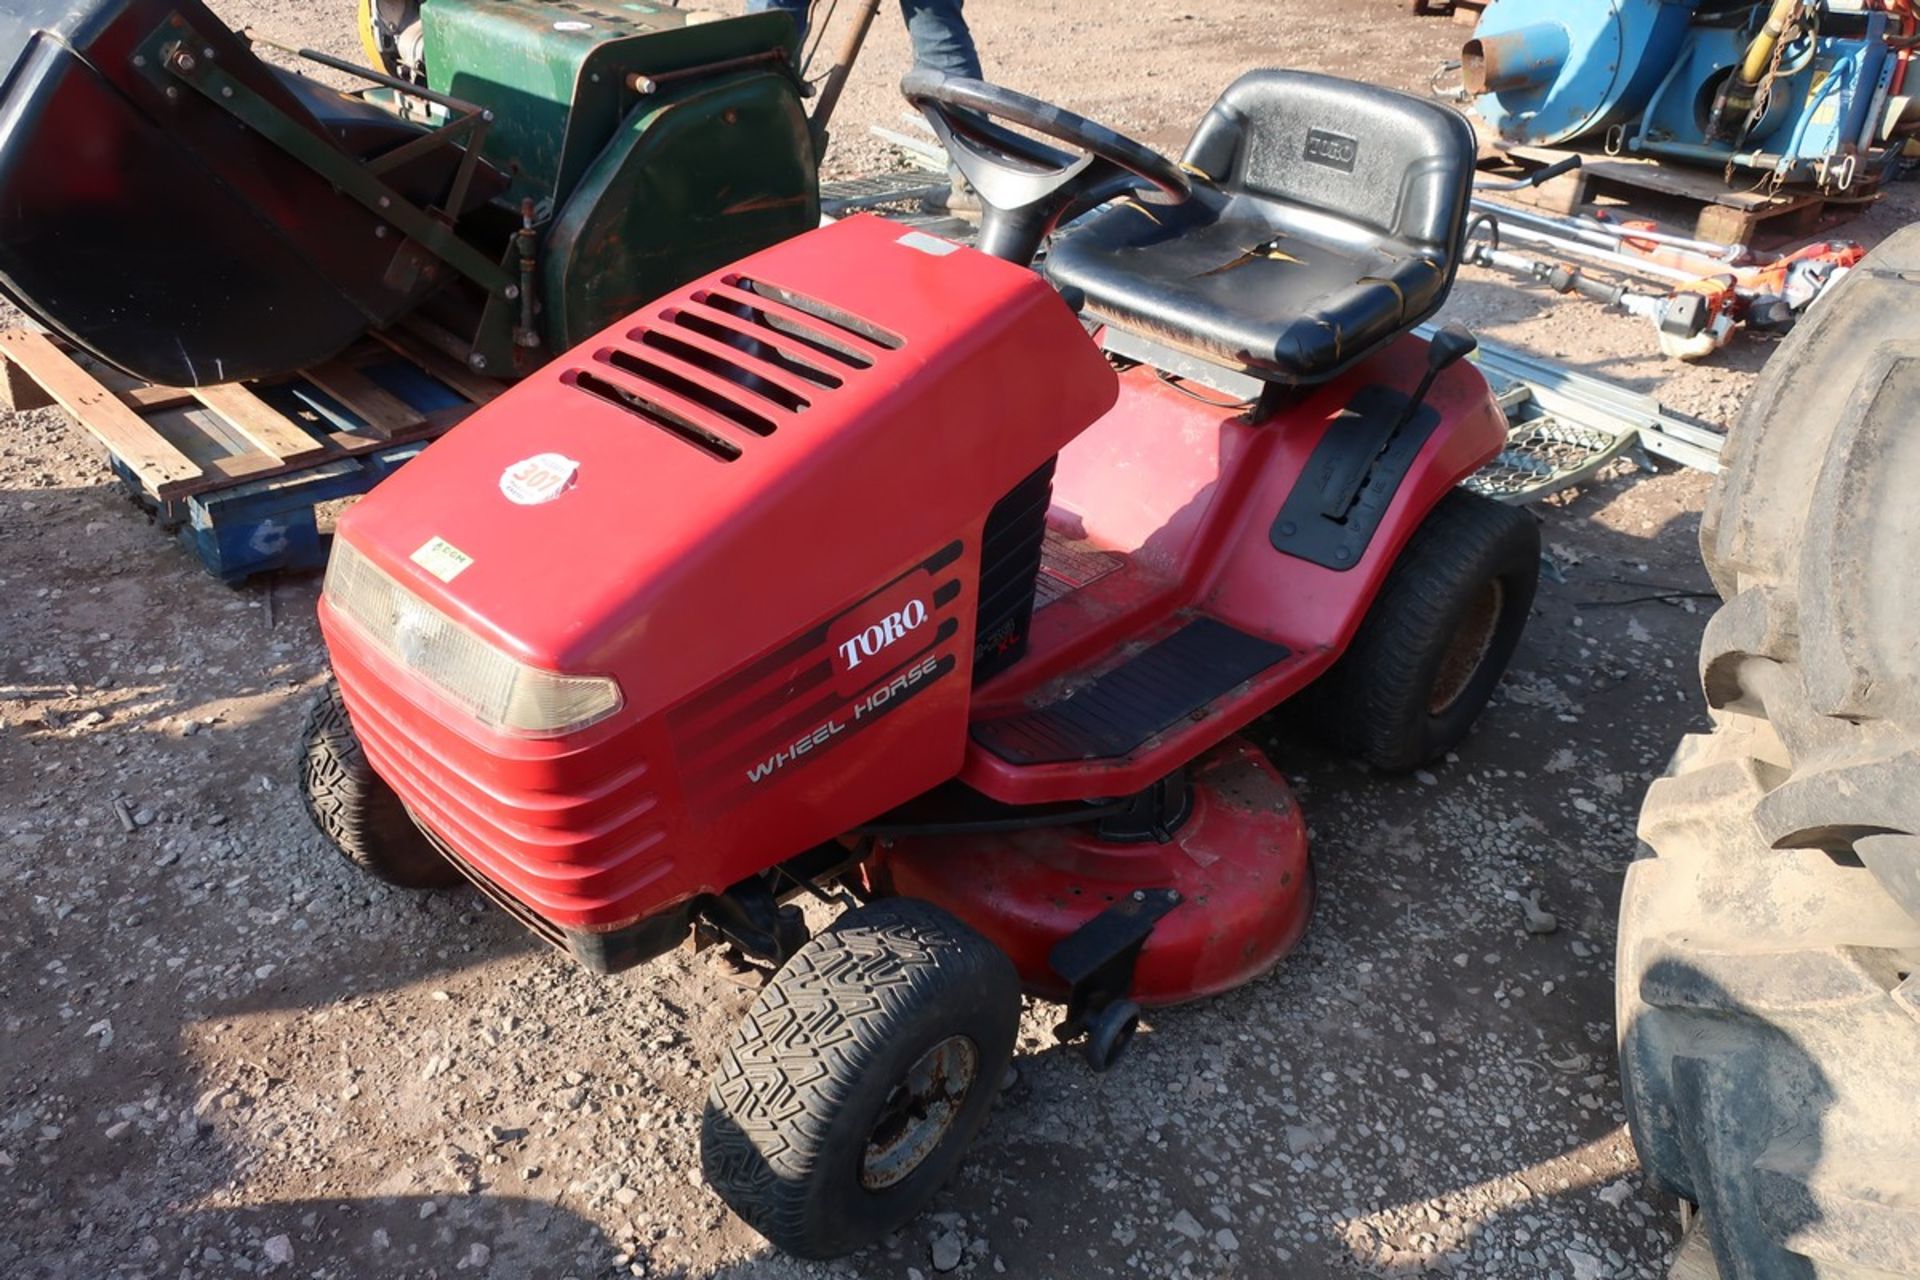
[{"x": 1769, "y": 962}]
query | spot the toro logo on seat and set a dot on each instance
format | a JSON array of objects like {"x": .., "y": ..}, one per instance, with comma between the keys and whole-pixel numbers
[
  {"x": 873, "y": 640},
  {"x": 1333, "y": 150}
]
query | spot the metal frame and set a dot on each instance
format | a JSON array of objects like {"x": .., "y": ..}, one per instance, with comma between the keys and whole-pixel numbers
[
  {"x": 1564, "y": 427},
  {"x": 175, "y": 52}
]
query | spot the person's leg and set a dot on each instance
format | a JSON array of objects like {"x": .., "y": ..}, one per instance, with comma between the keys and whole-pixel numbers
[
  {"x": 796, "y": 9},
  {"x": 940, "y": 37}
]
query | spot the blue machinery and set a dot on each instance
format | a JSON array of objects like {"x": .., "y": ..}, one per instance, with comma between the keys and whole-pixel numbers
[{"x": 1805, "y": 91}]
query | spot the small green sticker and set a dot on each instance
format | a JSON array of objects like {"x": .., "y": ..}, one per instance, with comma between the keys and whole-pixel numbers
[{"x": 442, "y": 559}]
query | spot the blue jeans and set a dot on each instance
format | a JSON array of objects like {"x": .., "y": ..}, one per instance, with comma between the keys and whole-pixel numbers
[{"x": 939, "y": 32}]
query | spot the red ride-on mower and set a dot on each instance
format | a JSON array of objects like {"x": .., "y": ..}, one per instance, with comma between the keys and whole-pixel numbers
[{"x": 867, "y": 569}]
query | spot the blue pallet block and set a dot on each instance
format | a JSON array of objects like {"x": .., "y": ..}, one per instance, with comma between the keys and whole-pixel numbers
[
  {"x": 264, "y": 525},
  {"x": 271, "y": 524}
]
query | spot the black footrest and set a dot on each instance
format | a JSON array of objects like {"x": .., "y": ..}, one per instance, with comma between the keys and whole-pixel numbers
[{"x": 1152, "y": 691}]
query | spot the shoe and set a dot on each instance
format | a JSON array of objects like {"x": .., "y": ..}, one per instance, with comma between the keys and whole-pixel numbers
[{"x": 959, "y": 197}]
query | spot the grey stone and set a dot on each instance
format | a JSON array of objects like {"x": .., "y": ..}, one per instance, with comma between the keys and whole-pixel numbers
[{"x": 947, "y": 1250}]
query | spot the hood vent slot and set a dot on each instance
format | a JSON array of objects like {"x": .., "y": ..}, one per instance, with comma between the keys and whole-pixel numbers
[
  {"x": 687, "y": 389},
  {"x": 739, "y": 354},
  {"x": 843, "y": 320},
  {"x": 839, "y": 335},
  {"x": 721, "y": 367},
  {"x": 807, "y": 335},
  {"x": 707, "y": 441},
  {"x": 748, "y": 345}
]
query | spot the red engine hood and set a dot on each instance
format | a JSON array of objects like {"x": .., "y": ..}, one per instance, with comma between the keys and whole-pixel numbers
[{"x": 725, "y": 467}]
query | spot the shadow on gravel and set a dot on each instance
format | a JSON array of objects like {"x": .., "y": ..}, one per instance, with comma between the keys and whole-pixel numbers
[
  {"x": 158, "y": 1130},
  {"x": 132, "y": 1140},
  {"x": 390, "y": 1236},
  {"x": 1711, "y": 1068}
]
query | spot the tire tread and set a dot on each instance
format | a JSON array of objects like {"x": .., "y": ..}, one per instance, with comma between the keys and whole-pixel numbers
[
  {"x": 800, "y": 1053},
  {"x": 1373, "y": 701},
  {"x": 355, "y": 810}
]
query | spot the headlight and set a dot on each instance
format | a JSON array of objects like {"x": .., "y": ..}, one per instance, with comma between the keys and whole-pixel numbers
[{"x": 495, "y": 689}]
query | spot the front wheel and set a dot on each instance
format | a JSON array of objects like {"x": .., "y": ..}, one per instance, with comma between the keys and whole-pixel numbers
[
  {"x": 849, "y": 1093},
  {"x": 355, "y": 810},
  {"x": 1438, "y": 637}
]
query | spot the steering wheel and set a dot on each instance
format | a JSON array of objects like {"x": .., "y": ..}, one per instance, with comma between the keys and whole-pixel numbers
[{"x": 1026, "y": 186}]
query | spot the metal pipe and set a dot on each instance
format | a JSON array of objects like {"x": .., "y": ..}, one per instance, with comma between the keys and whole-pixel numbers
[
  {"x": 526, "y": 239},
  {"x": 836, "y": 78},
  {"x": 643, "y": 83},
  {"x": 1859, "y": 125},
  {"x": 1539, "y": 177},
  {"x": 1609, "y": 237},
  {"x": 394, "y": 83},
  {"x": 1554, "y": 275},
  {"x": 1619, "y": 261},
  {"x": 1767, "y": 161},
  {"x": 1830, "y": 87},
  {"x": 1870, "y": 134},
  {"x": 1527, "y": 57}
]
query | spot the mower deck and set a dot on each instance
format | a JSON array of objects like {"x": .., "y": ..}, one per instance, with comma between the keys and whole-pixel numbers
[{"x": 1236, "y": 864}]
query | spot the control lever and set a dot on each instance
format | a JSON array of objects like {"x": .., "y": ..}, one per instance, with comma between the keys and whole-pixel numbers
[
  {"x": 1534, "y": 179},
  {"x": 1448, "y": 347},
  {"x": 1452, "y": 344}
]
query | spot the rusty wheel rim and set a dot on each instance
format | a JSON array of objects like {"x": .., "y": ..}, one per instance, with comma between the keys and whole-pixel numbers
[
  {"x": 1472, "y": 642},
  {"x": 920, "y": 1112}
]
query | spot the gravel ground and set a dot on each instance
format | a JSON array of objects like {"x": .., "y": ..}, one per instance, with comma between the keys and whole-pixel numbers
[{"x": 224, "y": 1054}]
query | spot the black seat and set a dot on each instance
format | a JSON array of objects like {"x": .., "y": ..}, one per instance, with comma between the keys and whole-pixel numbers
[{"x": 1329, "y": 221}]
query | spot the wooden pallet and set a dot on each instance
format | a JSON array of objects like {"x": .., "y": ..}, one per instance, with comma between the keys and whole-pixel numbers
[
  {"x": 1464, "y": 12},
  {"x": 1727, "y": 215},
  {"x": 239, "y": 469}
]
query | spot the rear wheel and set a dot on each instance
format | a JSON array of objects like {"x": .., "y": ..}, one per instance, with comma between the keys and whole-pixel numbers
[
  {"x": 1769, "y": 1007},
  {"x": 1769, "y": 964},
  {"x": 1437, "y": 639},
  {"x": 357, "y": 812},
  {"x": 856, "y": 1082}
]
